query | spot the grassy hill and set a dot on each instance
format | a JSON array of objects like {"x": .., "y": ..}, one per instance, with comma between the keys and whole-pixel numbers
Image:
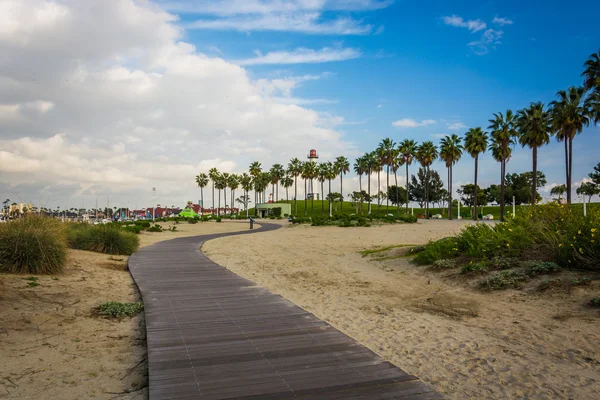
[{"x": 315, "y": 209}]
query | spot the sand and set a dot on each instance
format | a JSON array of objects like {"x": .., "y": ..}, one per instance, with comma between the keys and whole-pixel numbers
[
  {"x": 52, "y": 345},
  {"x": 463, "y": 342}
]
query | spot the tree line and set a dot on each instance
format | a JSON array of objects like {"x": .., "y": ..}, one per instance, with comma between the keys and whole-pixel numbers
[{"x": 531, "y": 127}]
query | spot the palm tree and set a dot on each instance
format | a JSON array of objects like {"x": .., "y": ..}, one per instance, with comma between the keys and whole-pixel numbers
[
  {"x": 475, "y": 143},
  {"x": 213, "y": 174},
  {"x": 310, "y": 172},
  {"x": 591, "y": 73},
  {"x": 287, "y": 183},
  {"x": 305, "y": 174},
  {"x": 534, "y": 125},
  {"x": 225, "y": 177},
  {"x": 255, "y": 171},
  {"x": 397, "y": 162},
  {"x": 233, "y": 183},
  {"x": 246, "y": 182},
  {"x": 295, "y": 169},
  {"x": 371, "y": 164},
  {"x": 569, "y": 116},
  {"x": 503, "y": 131},
  {"x": 322, "y": 173},
  {"x": 426, "y": 154},
  {"x": 202, "y": 181},
  {"x": 408, "y": 149},
  {"x": 450, "y": 151},
  {"x": 277, "y": 173},
  {"x": 360, "y": 167},
  {"x": 379, "y": 158},
  {"x": 386, "y": 150},
  {"x": 220, "y": 185},
  {"x": 342, "y": 166},
  {"x": 331, "y": 175},
  {"x": 592, "y": 104}
]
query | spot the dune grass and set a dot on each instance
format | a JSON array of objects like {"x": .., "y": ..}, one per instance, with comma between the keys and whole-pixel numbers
[
  {"x": 107, "y": 238},
  {"x": 33, "y": 245}
]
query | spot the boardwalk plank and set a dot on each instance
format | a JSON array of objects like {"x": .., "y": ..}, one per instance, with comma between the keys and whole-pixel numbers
[{"x": 213, "y": 335}]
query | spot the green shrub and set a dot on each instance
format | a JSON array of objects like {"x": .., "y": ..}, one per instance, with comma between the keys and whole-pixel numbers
[
  {"x": 407, "y": 218},
  {"x": 499, "y": 262},
  {"x": 117, "y": 309},
  {"x": 108, "y": 238},
  {"x": 362, "y": 221},
  {"x": 416, "y": 249},
  {"x": 504, "y": 280},
  {"x": 474, "y": 268},
  {"x": 318, "y": 221},
  {"x": 218, "y": 219},
  {"x": 438, "y": 250},
  {"x": 205, "y": 218},
  {"x": 137, "y": 229},
  {"x": 535, "y": 268},
  {"x": 33, "y": 245},
  {"x": 143, "y": 224},
  {"x": 155, "y": 228},
  {"x": 276, "y": 211},
  {"x": 301, "y": 220},
  {"x": 345, "y": 224},
  {"x": 192, "y": 221},
  {"x": 445, "y": 263},
  {"x": 595, "y": 302}
]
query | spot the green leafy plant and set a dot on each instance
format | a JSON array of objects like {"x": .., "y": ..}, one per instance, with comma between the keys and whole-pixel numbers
[
  {"x": 155, "y": 228},
  {"x": 117, "y": 309},
  {"x": 504, "y": 280},
  {"x": 33, "y": 245},
  {"x": 444, "y": 263},
  {"x": 535, "y": 268},
  {"x": 438, "y": 250},
  {"x": 218, "y": 219},
  {"x": 108, "y": 238},
  {"x": 595, "y": 302},
  {"x": 32, "y": 281},
  {"x": 474, "y": 268}
]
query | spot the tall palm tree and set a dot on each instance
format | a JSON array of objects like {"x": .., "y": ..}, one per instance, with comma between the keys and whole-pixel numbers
[
  {"x": 408, "y": 149},
  {"x": 287, "y": 183},
  {"x": 359, "y": 171},
  {"x": 202, "y": 181},
  {"x": 534, "y": 126},
  {"x": 591, "y": 73},
  {"x": 397, "y": 162},
  {"x": 246, "y": 182},
  {"x": 305, "y": 174},
  {"x": 386, "y": 149},
  {"x": 213, "y": 174},
  {"x": 220, "y": 185},
  {"x": 331, "y": 175},
  {"x": 277, "y": 173},
  {"x": 233, "y": 183},
  {"x": 371, "y": 164},
  {"x": 450, "y": 152},
  {"x": 379, "y": 156},
  {"x": 476, "y": 141},
  {"x": 322, "y": 174},
  {"x": 426, "y": 154},
  {"x": 310, "y": 173},
  {"x": 295, "y": 169},
  {"x": 342, "y": 166},
  {"x": 569, "y": 116},
  {"x": 592, "y": 103},
  {"x": 255, "y": 171},
  {"x": 503, "y": 132},
  {"x": 225, "y": 177}
]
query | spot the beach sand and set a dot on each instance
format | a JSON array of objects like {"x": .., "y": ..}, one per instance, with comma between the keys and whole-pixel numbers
[
  {"x": 465, "y": 343},
  {"x": 52, "y": 345}
]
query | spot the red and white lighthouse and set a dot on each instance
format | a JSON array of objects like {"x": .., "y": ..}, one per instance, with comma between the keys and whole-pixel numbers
[{"x": 312, "y": 157}]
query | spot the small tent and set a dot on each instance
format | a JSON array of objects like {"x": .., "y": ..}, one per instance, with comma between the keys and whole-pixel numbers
[{"x": 188, "y": 212}]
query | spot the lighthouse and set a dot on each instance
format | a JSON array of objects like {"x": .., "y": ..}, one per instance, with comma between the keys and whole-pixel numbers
[{"x": 312, "y": 157}]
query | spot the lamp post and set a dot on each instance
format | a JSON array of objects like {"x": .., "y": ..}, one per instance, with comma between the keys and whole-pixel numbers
[{"x": 153, "y": 203}]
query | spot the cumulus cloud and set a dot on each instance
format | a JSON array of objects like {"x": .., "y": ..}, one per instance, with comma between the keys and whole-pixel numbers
[
  {"x": 303, "y": 56},
  {"x": 472, "y": 25},
  {"x": 501, "y": 21},
  {"x": 488, "y": 40},
  {"x": 88, "y": 110},
  {"x": 411, "y": 123},
  {"x": 454, "y": 126}
]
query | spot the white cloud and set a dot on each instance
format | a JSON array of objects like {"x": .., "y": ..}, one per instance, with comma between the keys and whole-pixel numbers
[
  {"x": 379, "y": 105},
  {"x": 303, "y": 56},
  {"x": 489, "y": 39},
  {"x": 411, "y": 123},
  {"x": 472, "y": 25},
  {"x": 454, "y": 126},
  {"x": 86, "y": 110},
  {"x": 502, "y": 21}
]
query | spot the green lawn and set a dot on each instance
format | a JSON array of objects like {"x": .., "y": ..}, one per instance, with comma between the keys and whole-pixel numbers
[{"x": 347, "y": 208}]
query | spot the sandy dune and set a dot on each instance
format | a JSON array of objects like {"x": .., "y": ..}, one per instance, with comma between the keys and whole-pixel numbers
[
  {"x": 465, "y": 343},
  {"x": 51, "y": 344}
]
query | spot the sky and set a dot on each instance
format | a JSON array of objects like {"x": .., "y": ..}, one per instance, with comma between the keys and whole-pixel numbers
[{"x": 101, "y": 101}]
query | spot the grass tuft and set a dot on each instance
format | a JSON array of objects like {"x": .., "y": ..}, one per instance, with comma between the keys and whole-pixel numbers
[
  {"x": 33, "y": 245},
  {"x": 108, "y": 238},
  {"x": 117, "y": 309}
]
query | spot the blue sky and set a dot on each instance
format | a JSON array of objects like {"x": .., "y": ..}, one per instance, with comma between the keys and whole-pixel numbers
[
  {"x": 176, "y": 87},
  {"x": 416, "y": 64}
]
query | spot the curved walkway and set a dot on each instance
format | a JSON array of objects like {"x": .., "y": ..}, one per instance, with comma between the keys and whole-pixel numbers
[{"x": 214, "y": 335}]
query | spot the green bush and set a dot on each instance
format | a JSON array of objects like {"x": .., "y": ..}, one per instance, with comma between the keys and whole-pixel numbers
[
  {"x": 444, "y": 264},
  {"x": 474, "y": 268},
  {"x": 535, "y": 268},
  {"x": 137, "y": 229},
  {"x": 504, "y": 280},
  {"x": 595, "y": 302},
  {"x": 318, "y": 221},
  {"x": 438, "y": 250},
  {"x": 301, "y": 220},
  {"x": 218, "y": 219},
  {"x": 499, "y": 262},
  {"x": 117, "y": 309},
  {"x": 33, "y": 245},
  {"x": 276, "y": 211},
  {"x": 143, "y": 224},
  {"x": 192, "y": 221},
  {"x": 205, "y": 218},
  {"x": 407, "y": 218},
  {"x": 108, "y": 238},
  {"x": 362, "y": 221},
  {"x": 416, "y": 250},
  {"x": 155, "y": 228}
]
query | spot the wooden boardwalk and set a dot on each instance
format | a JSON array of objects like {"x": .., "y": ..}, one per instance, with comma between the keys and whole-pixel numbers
[{"x": 214, "y": 335}]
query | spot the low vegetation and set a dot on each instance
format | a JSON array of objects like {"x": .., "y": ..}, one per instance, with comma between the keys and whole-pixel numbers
[
  {"x": 107, "y": 238},
  {"x": 115, "y": 309},
  {"x": 353, "y": 220},
  {"x": 33, "y": 245}
]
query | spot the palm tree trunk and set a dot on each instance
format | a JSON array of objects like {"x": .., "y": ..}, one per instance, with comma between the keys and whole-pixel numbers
[
  {"x": 397, "y": 192},
  {"x": 570, "y": 170},
  {"x": 407, "y": 197},
  {"x": 277, "y": 193},
  {"x": 360, "y": 190},
  {"x": 534, "y": 179},
  {"x": 475, "y": 191},
  {"x": 378, "y": 191},
  {"x": 305, "y": 196},
  {"x": 225, "y": 199},
  {"x": 450, "y": 192},
  {"x": 329, "y": 198},
  {"x": 427, "y": 192},
  {"x": 322, "y": 202},
  {"x": 201, "y": 200},
  {"x": 296, "y": 196},
  {"x": 342, "y": 188},
  {"x": 387, "y": 190},
  {"x": 213, "y": 196},
  {"x": 369, "y": 188},
  {"x": 287, "y": 194},
  {"x": 219, "y": 205},
  {"x": 312, "y": 199},
  {"x": 567, "y": 168},
  {"x": 502, "y": 183}
]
